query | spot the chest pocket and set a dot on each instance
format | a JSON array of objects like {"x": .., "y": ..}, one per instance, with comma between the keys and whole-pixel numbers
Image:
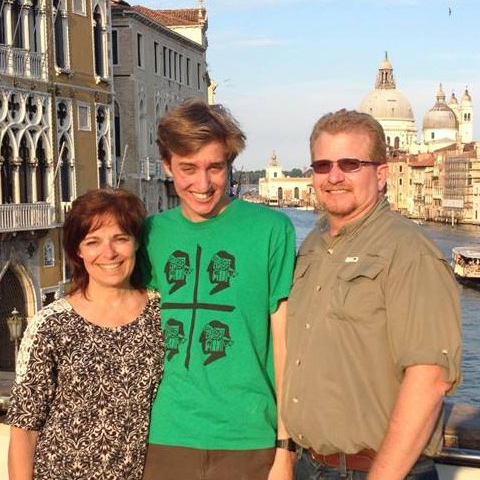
[{"x": 357, "y": 293}]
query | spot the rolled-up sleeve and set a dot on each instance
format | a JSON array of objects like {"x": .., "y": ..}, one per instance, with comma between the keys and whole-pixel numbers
[{"x": 423, "y": 314}]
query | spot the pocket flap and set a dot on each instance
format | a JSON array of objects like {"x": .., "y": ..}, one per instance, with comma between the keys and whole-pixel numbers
[{"x": 365, "y": 269}]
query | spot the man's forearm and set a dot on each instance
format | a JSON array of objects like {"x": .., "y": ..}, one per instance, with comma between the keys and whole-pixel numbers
[
  {"x": 416, "y": 411},
  {"x": 283, "y": 463}
]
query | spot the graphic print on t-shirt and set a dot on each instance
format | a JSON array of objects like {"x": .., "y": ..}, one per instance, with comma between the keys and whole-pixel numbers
[
  {"x": 174, "y": 337},
  {"x": 220, "y": 270},
  {"x": 176, "y": 269},
  {"x": 215, "y": 336},
  {"x": 214, "y": 339}
]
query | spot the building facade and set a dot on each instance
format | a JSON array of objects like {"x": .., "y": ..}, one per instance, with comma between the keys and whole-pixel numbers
[
  {"x": 55, "y": 139},
  {"x": 159, "y": 59},
  {"x": 279, "y": 190}
]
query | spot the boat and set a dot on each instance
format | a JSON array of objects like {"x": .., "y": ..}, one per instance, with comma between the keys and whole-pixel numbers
[{"x": 466, "y": 265}]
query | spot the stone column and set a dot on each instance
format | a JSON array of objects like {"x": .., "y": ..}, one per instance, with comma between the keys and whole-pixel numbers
[
  {"x": 27, "y": 5},
  {"x": 7, "y": 23},
  {"x": 2, "y": 161},
  {"x": 16, "y": 162}
]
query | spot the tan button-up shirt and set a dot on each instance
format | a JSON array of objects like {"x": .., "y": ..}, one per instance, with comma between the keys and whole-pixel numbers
[{"x": 365, "y": 304}]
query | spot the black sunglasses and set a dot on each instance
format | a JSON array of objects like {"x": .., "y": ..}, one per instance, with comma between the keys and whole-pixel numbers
[{"x": 346, "y": 165}]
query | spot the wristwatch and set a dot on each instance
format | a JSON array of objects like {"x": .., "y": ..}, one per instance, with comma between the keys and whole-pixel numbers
[{"x": 287, "y": 444}]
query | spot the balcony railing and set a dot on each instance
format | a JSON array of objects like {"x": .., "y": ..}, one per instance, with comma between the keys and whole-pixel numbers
[
  {"x": 23, "y": 63},
  {"x": 26, "y": 216}
]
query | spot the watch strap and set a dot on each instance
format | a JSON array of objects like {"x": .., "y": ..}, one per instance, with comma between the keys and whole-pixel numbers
[{"x": 287, "y": 444}]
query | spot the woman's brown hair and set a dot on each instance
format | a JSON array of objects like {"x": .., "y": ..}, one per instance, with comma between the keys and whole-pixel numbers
[{"x": 89, "y": 212}]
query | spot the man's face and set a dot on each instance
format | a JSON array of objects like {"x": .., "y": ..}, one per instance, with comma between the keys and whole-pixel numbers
[
  {"x": 200, "y": 180},
  {"x": 347, "y": 197}
]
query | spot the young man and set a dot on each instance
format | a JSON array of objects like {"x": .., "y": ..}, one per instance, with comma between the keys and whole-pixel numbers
[
  {"x": 223, "y": 268},
  {"x": 374, "y": 322}
]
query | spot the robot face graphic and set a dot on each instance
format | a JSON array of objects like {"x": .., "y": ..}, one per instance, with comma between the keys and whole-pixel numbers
[
  {"x": 177, "y": 269},
  {"x": 221, "y": 270}
]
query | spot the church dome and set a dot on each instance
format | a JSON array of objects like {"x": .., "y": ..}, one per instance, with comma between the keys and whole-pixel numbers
[
  {"x": 453, "y": 99},
  {"x": 441, "y": 116},
  {"x": 387, "y": 104}
]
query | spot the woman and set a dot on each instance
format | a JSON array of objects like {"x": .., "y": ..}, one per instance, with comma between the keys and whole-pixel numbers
[{"x": 89, "y": 364}]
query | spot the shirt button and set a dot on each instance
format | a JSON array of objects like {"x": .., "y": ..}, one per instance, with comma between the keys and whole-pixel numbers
[
  {"x": 330, "y": 251},
  {"x": 307, "y": 326},
  {"x": 300, "y": 436},
  {"x": 295, "y": 400},
  {"x": 297, "y": 362},
  {"x": 318, "y": 288}
]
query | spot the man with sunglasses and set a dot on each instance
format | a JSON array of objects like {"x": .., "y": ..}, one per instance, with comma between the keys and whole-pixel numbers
[{"x": 373, "y": 339}]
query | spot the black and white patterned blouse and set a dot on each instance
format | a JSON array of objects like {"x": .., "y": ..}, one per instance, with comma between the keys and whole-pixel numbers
[{"x": 88, "y": 390}]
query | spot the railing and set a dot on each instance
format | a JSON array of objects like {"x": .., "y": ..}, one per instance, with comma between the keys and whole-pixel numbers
[
  {"x": 20, "y": 62},
  {"x": 26, "y": 216}
]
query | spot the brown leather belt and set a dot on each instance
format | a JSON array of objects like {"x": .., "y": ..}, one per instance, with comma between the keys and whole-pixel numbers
[{"x": 361, "y": 461}]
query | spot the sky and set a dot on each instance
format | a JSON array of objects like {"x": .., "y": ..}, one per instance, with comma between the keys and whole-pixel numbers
[{"x": 281, "y": 64}]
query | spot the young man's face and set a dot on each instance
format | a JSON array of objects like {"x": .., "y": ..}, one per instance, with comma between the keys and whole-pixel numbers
[{"x": 200, "y": 180}]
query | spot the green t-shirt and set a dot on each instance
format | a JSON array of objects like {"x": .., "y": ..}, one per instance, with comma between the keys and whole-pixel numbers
[{"x": 219, "y": 281}]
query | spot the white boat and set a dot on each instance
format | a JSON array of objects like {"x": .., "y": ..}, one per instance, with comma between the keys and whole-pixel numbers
[{"x": 466, "y": 265}]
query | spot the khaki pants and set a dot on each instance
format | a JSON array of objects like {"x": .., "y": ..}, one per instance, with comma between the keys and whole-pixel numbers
[{"x": 176, "y": 463}]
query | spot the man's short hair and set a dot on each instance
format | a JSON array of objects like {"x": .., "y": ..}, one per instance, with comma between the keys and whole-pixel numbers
[
  {"x": 194, "y": 124},
  {"x": 351, "y": 121}
]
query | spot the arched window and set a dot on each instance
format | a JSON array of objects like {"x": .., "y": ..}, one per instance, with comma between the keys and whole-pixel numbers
[
  {"x": 6, "y": 154},
  {"x": 98, "y": 42},
  {"x": 2, "y": 25},
  {"x": 24, "y": 155},
  {"x": 17, "y": 24},
  {"x": 296, "y": 193},
  {"x": 397, "y": 143},
  {"x": 280, "y": 193},
  {"x": 100, "y": 37},
  {"x": 34, "y": 26},
  {"x": 41, "y": 174},
  {"x": 102, "y": 164},
  {"x": 60, "y": 29},
  {"x": 65, "y": 171},
  {"x": 13, "y": 296}
]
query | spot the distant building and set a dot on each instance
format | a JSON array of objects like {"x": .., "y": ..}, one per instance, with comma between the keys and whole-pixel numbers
[
  {"x": 55, "y": 141},
  {"x": 444, "y": 124},
  {"x": 159, "y": 59},
  {"x": 278, "y": 189}
]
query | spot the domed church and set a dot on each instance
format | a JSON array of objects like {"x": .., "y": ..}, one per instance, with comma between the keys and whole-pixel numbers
[{"x": 444, "y": 124}]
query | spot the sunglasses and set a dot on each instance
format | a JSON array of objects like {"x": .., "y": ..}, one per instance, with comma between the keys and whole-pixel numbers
[{"x": 346, "y": 165}]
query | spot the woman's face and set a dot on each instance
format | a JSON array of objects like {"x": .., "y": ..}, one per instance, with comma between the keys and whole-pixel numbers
[{"x": 108, "y": 254}]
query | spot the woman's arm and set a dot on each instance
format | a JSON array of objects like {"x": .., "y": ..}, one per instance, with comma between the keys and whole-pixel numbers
[{"x": 20, "y": 453}]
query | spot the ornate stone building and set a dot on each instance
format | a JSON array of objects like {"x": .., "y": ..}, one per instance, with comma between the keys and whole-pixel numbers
[
  {"x": 444, "y": 124},
  {"x": 55, "y": 141}
]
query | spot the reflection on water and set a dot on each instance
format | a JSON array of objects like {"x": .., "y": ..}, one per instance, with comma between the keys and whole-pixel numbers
[{"x": 446, "y": 238}]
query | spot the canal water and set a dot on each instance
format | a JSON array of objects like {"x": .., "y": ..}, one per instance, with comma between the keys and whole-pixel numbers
[{"x": 446, "y": 237}]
